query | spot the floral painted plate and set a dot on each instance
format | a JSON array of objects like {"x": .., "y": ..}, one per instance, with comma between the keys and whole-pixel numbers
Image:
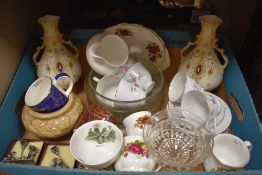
[{"x": 153, "y": 47}]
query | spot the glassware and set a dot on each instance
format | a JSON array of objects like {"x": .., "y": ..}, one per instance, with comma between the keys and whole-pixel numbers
[
  {"x": 177, "y": 139},
  {"x": 121, "y": 109}
]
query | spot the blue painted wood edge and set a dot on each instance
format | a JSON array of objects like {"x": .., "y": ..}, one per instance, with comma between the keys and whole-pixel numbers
[
  {"x": 170, "y": 38},
  {"x": 250, "y": 128},
  {"x": 21, "y": 169},
  {"x": 8, "y": 116}
]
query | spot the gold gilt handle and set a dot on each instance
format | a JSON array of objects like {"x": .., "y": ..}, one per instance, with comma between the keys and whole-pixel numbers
[
  {"x": 189, "y": 44},
  {"x": 222, "y": 52},
  {"x": 36, "y": 54},
  {"x": 71, "y": 45}
]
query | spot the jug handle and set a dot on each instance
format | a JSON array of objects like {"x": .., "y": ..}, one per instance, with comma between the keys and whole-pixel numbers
[
  {"x": 71, "y": 45},
  {"x": 38, "y": 49},
  {"x": 222, "y": 52},
  {"x": 189, "y": 44}
]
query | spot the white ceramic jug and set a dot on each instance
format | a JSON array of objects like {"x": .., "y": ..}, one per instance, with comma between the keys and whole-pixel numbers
[{"x": 107, "y": 56}]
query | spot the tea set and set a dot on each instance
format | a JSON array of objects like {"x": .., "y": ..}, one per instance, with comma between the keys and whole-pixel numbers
[
  {"x": 130, "y": 80},
  {"x": 191, "y": 130},
  {"x": 191, "y": 97}
]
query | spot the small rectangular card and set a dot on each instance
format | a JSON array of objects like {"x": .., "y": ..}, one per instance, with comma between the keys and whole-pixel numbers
[
  {"x": 57, "y": 155},
  {"x": 24, "y": 151}
]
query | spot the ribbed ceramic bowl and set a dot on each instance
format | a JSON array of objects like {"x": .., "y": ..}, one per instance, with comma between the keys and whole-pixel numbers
[{"x": 121, "y": 109}]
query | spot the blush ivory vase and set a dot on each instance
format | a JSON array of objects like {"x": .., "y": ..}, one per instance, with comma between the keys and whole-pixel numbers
[
  {"x": 202, "y": 63},
  {"x": 56, "y": 55}
]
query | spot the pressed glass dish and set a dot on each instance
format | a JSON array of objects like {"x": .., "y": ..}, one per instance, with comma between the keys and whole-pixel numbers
[
  {"x": 177, "y": 139},
  {"x": 121, "y": 109}
]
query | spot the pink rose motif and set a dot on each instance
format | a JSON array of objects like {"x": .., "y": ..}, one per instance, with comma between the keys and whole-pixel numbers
[
  {"x": 136, "y": 148},
  {"x": 125, "y": 68}
]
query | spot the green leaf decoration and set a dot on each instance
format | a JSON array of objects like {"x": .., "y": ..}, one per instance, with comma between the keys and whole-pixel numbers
[{"x": 106, "y": 134}]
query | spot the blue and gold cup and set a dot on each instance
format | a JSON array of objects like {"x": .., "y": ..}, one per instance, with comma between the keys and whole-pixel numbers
[{"x": 45, "y": 95}]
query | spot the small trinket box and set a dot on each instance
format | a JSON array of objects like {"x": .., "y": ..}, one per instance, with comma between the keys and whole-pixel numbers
[
  {"x": 57, "y": 155},
  {"x": 24, "y": 151}
]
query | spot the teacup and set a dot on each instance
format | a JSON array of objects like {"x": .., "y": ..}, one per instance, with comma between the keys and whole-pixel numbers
[
  {"x": 123, "y": 70},
  {"x": 127, "y": 91},
  {"x": 180, "y": 85},
  {"x": 215, "y": 107},
  {"x": 229, "y": 152},
  {"x": 140, "y": 77},
  {"x": 45, "y": 95},
  {"x": 135, "y": 156},
  {"x": 195, "y": 102},
  {"x": 112, "y": 52},
  {"x": 134, "y": 123},
  {"x": 107, "y": 87}
]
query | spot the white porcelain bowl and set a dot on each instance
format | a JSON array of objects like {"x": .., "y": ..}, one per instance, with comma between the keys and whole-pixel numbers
[{"x": 92, "y": 153}]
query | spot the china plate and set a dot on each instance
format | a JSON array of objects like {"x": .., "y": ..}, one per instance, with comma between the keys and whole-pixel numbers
[
  {"x": 224, "y": 118},
  {"x": 154, "y": 49}
]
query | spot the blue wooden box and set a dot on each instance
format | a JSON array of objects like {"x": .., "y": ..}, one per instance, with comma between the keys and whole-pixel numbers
[{"x": 12, "y": 127}]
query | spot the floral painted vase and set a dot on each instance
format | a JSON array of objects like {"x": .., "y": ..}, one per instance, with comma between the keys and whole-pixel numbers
[
  {"x": 54, "y": 55},
  {"x": 202, "y": 63}
]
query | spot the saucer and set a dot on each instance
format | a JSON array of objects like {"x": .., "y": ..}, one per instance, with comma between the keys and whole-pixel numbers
[
  {"x": 154, "y": 49},
  {"x": 224, "y": 117}
]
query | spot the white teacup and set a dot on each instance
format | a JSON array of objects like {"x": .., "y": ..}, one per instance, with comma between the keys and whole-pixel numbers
[
  {"x": 215, "y": 107},
  {"x": 134, "y": 156},
  {"x": 127, "y": 91},
  {"x": 107, "y": 87},
  {"x": 123, "y": 70},
  {"x": 229, "y": 152},
  {"x": 180, "y": 85},
  {"x": 134, "y": 123},
  {"x": 140, "y": 77},
  {"x": 112, "y": 52},
  {"x": 195, "y": 102}
]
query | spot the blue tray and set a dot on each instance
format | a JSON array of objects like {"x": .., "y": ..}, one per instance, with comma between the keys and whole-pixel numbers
[{"x": 11, "y": 125}]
